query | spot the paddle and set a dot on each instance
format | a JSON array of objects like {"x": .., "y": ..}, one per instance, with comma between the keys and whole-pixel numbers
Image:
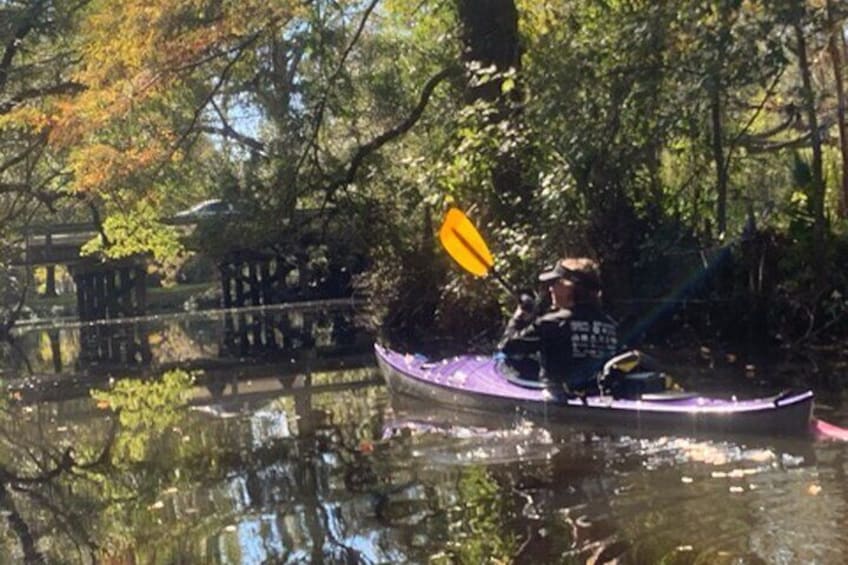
[{"x": 467, "y": 247}]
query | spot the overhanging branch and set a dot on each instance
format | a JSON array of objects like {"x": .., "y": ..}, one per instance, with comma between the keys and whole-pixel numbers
[
  {"x": 228, "y": 132},
  {"x": 365, "y": 150}
]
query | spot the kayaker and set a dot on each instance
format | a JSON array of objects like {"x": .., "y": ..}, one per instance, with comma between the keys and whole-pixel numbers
[{"x": 568, "y": 343}]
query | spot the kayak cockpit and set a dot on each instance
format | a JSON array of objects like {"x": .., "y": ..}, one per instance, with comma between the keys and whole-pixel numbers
[{"x": 630, "y": 375}]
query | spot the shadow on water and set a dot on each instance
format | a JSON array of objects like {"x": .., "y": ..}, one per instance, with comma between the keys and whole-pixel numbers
[{"x": 267, "y": 436}]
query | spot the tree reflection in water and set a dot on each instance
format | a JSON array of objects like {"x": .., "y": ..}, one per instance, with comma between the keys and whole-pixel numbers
[
  {"x": 251, "y": 462},
  {"x": 287, "y": 459},
  {"x": 143, "y": 477},
  {"x": 157, "y": 482},
  {"x": 477, "y": 529}
]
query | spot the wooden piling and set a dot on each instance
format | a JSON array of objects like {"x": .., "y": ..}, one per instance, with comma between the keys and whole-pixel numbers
[{"x": 111, "y": 289}]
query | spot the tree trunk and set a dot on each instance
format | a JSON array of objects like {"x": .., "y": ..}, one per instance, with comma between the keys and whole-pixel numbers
[
  {"x": 834, "y": 46},
  {"x": 817, "y": 190},
  {"x": 718, "y": 156},
  {"x": 722, "y": 39},
  {"x": 490, "y": 41}
]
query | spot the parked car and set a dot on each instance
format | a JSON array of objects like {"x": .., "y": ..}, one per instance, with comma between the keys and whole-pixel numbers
[{"x": 207, "y": 209}]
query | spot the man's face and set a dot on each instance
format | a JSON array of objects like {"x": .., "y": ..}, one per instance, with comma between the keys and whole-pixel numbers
[{"x": 562, "y": 293}]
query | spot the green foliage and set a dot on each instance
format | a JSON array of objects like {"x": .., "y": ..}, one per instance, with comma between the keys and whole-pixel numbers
[
  {"x": 146, "y": 409},
  {"x": 478, "y": 530},
  {"x": 139, "y": 232},
  {"x": 621, "y": 126}
]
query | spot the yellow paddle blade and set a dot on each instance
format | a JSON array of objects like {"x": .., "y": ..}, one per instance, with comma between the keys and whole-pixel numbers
[{"x": 464, "y": 243}]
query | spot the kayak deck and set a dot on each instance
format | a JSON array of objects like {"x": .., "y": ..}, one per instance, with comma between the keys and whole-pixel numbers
[{"x": 474, "y": 382}]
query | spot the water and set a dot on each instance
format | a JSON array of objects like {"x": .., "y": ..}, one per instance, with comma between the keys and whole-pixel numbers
[{"x": 276, "y": 441}]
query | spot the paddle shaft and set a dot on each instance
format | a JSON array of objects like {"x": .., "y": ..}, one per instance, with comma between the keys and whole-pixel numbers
[{"x": 497, "y": 276}]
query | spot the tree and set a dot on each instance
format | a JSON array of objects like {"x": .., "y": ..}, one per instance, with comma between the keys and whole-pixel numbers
[
  {"x": 35, "y": 58},
  {"x": 797, "y": 17},
  {"x": 491, "y": 53},
  {"x": 600, "y": 115},
  {"x": 35, "y": 62},
  {"x": 836, "y": 48}
]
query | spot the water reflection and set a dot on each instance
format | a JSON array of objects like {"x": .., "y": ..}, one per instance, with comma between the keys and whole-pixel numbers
[
  {"x": 272, "y": 484},
  {"x": 262, "y": 333},
  {"x": 297, "y": 454},
  {"x": 58, "y": 362},
  {"x": 666, "y": 498}
]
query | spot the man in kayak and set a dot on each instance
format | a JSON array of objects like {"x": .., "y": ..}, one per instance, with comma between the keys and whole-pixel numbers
[{"x": 570, "y": 341}]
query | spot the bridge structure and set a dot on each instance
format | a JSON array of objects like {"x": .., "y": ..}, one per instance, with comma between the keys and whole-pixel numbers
[
  {"x": 59, "y": 243},
  {"x": 104, "y": 289},
  {"x": 116, "y": 289}
]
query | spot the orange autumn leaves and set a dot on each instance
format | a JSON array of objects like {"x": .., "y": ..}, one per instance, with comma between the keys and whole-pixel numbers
[
  {"x": 100, "y": 165},
  {"x": 147, "y": 67}
]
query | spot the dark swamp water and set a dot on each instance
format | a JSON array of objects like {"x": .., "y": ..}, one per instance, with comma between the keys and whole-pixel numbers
[{"x": 269, "y": 437}]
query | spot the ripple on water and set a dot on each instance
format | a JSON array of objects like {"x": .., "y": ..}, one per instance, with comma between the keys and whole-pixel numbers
[
  {"x": 706, "y": 501},
  {"x": 461, "y": 445}
]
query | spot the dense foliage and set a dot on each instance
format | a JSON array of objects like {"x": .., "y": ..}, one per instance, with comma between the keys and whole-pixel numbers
[{"x": 697, "y": 148}]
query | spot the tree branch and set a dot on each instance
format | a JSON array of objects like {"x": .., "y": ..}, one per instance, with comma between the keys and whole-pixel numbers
[
  {"x": 69, "y": 87},
  {"x": 796, "y": 143},
  {"x": 322, "y": 103},
  {"x": 15, "y": 41},
  {"x": 64, "y": 465},
  {"x": 227, "y": 131},
  {"x": 219, "y": 83},
  {"x": 35, "y": 144},
  {"x": 18, "y": 525},
  {"x": 365, "y": 150}
]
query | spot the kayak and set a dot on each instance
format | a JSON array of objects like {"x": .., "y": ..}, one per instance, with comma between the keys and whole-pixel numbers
[{"x": 482, "y": 384}]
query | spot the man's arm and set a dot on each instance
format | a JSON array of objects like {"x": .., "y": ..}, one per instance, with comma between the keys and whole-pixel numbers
[{"x": 521, "y": 335}]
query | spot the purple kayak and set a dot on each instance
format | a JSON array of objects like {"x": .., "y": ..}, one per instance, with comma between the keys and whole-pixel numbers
[{"x": 477, "y": 383}]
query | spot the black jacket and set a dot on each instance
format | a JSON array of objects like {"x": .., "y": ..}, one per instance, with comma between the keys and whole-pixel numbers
[{"x": 571, "y": 344}]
